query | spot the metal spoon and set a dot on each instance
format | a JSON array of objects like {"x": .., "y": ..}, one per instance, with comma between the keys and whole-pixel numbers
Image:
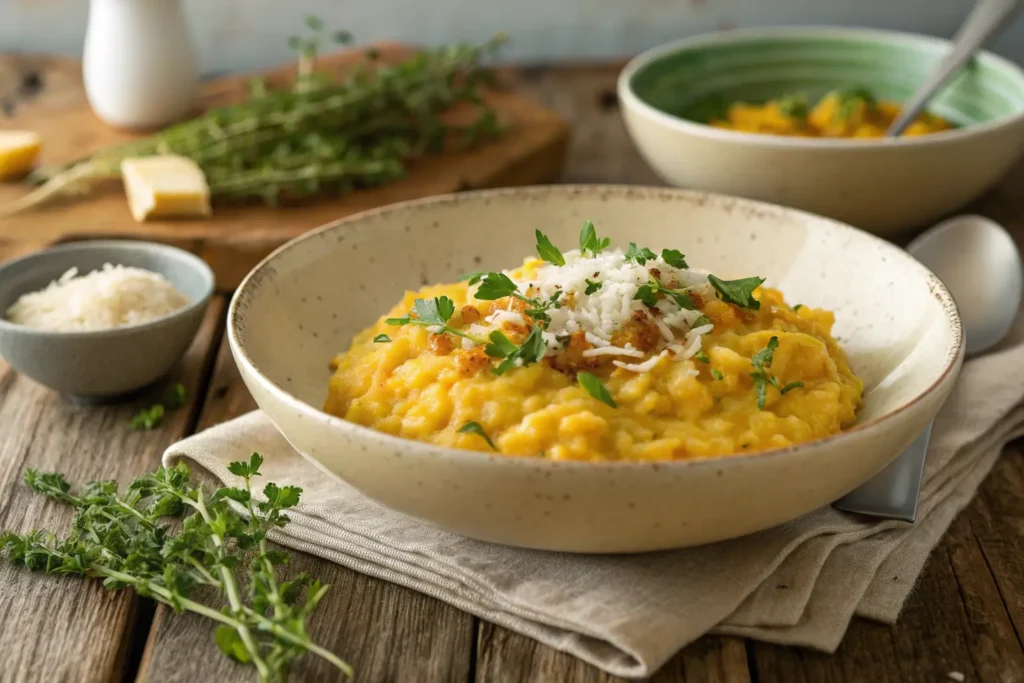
[
  {"x": 978, "y": 261},
  {"x": 986, "y": 20}
]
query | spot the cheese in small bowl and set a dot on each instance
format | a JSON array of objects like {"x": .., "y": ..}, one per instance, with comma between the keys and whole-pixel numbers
[{"x": 599, "y": 354}]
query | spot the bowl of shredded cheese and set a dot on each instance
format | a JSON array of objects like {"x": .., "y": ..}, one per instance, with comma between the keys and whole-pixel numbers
[{"x": 100, "y": 319}]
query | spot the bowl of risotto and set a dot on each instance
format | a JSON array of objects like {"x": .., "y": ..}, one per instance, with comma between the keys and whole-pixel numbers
[
  {"x": 797, "y": 116},
  {"x": 596, "y": 368}
]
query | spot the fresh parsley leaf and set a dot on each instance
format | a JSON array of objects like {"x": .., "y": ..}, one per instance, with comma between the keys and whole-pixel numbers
[
  {"x": 475, "y": 428},
  {"x": 739, "y": 292},
  {"x": 381, "y": 339},
  {"x": 436, "y": 311},
  {"x": 674, "y": 258},
  {"x": 682, "y": 299},
  {"x": 794, "y": 106},
  {"x": 495, "y": 286},
  {"x": 763, "y": 358},
  {"x": 595, "y": 388},
  {"x": 717, "y": 374},
  {"x": 530, "y": 351},
  {"x": 592, "y": 286},
  {"x": 639, "y": 256},
  {"x": 647, "y": 294},
  {"x": 761, "y": 361},
  {"x": 849, "y": 100},
  {"x": 701, "y": 322},
  {"x": 548, "y": 251},
  {"x": 702, "y": 356},
  {"x": 499, "y": 346},
  {"x": 797, "y": 307},
  {"x": 590, "y": 242},
  {"x": 473, "y": 277}
]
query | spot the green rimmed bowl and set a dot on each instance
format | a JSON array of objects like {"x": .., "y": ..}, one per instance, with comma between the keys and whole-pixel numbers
[{"x": 885, "y": 186}]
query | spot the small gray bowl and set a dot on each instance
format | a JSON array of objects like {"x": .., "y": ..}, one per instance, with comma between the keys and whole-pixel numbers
[{"x": 103, "y": 364}]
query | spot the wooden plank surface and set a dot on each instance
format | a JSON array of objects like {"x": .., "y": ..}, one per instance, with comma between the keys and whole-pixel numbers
[
  {"x": 966, "y": 614},
  {"x": 63, "y": 628},
  {"x": 388, "y": 633},
  {"x": 532, "y": 150}
]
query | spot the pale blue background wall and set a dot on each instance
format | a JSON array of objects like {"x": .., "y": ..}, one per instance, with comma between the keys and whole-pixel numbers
[{"x": 236, "y": 34}]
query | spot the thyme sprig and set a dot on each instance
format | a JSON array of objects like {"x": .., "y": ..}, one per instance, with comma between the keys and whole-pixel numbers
[
  {"x": 321, "y": 135},
  {"x": 123, "y": 539}
]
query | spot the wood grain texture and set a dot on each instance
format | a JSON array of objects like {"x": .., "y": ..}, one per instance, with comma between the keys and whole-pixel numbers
[
  {"x": 532, "y": 150},
  {"x": 386, "y": 632},
  {"x": 507, "y": 657},
  {"x": 64, "y": 628}
]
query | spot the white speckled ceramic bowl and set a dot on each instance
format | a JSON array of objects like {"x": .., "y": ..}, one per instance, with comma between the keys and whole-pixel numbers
[
  {"x": 884, "y": 186},
  {"x": 306, "y": 300}
]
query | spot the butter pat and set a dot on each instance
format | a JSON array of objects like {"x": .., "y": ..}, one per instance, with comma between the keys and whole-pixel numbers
[
  {"x": 165, "y": 187},
  {"x": 18, "y": 152}
]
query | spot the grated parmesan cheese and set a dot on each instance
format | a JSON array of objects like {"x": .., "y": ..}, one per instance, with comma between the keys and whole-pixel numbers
[
  {"x": 600, "y": 314},
  {"x": 113, "y": 296}
]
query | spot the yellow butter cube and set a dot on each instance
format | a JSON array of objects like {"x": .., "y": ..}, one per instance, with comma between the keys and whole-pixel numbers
[
  {"x": 165, "y": 187},
  {"x": 18, "y": 152}
]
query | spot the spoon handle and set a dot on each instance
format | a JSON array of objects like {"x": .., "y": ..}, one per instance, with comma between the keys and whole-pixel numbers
[{"x": 986, "y": 19}]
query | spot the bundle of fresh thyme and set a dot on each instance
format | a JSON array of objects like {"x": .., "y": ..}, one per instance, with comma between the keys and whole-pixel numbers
[
  {"x": 317, "y": 137},
  {"x": 124, "y": 539}
]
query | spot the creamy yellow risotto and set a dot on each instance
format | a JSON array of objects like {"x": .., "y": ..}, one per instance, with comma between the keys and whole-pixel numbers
[
  {"x": 599, "y": 354},
  {"x": 853, "y": 113}
]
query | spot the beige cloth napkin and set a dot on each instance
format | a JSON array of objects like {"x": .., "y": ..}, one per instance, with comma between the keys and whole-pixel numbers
[{"x": 798, "y": 584}]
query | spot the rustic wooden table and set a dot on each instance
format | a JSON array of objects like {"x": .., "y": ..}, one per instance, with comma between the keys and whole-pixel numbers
[{"x": 966, "y": 615}]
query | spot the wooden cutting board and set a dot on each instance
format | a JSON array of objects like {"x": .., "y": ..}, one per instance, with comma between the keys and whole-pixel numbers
[{"x": 45, "y": 94}]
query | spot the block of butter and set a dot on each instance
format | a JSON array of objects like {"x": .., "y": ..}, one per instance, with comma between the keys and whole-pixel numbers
[
  {"x": 18, "y": 152},
  {"x": 165, "y": 187}
]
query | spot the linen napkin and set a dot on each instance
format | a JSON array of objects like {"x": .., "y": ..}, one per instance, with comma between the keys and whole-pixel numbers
[{"x": 798, "y": 584}]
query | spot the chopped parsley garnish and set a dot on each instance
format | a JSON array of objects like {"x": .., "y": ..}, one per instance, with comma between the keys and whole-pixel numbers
[
  {"x": 475, "y": 428},
  {"x": 434, "y": 312},
  {"x": 595, "y": 388},
  {"x": 591, "y": 286},
  {"x": 794, "y": 106},
  {"x": 540, "y": 308},
  {"x": 473, "y": 277},
  {"x": 589, "y": 242},
  {"x": 495, "y": 286},
  {"x": 739, "y": 292},
  {"x": 797, "y": 307},
  {"x": 849, "y": 100},
  {"x": 701, "y": 322},
  {"x": 639, "y": 256},
  {"x": 649, "y": 295},
  {"x": 381, "y": 339},
  {"x": 548, "y": 251},
  {"x": 717, "y": 374},
  {"x": 531, "y": 350},
  {"x": 674, "y": 258},
  {"x": 702, "y": 356},
  {"x": 761, "y": 361}
]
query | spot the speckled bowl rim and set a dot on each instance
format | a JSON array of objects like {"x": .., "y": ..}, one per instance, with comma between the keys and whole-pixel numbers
[
  {"x": 633, "y": 101},
  {"x": 255, "y": 279},
  {"x": 199, "y": 265}
]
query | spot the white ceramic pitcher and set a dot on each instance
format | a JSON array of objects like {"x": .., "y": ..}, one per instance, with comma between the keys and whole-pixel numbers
[{"x": 140, "y": 70}]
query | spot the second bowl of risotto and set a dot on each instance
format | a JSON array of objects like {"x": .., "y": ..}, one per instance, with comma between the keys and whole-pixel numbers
[
  {"x": 596, "y": 369},
  {"x": 795, "y": 116}
]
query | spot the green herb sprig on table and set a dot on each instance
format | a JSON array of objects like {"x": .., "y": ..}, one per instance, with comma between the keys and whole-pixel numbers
[
  {"x": 153, "y": 416},
  {"x": 319, "y": 136},
  {"x": 128, "y": 540}
]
